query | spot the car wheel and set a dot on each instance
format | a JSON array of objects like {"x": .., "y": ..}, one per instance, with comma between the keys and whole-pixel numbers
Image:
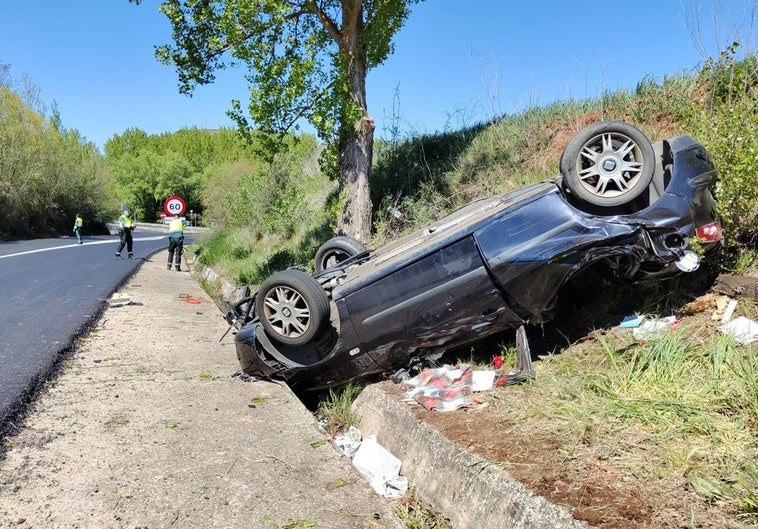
[
  {"x": 292, "y": 307},
  {"x": 608, "y": 164},
  {"x": 336, "y": 250}
]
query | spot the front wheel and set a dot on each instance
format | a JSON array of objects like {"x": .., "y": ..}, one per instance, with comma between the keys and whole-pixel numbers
[
  {"x": 336, "y": 250},
  {"x": 292, "y": 307},
  {"x": 608, "y": 164}
]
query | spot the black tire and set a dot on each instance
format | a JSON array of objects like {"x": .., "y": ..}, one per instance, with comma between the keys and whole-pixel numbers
[
  {"x": 292, "y": 307},
  {"x": 608, "y": 164},
  {"x": 336, "y": 250}
]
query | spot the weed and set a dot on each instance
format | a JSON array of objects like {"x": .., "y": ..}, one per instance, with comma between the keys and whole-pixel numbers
[
  {"x": 745, "y": 260},
  {"x": 416, "y": 514},
  {"x": 336, "y": 407},
  {"x": 339, "y": 482}
]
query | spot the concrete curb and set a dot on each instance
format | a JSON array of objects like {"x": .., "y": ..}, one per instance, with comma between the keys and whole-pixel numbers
[
  {"x": 229, "y": 292},
  {"x": 469, "y": 490}
]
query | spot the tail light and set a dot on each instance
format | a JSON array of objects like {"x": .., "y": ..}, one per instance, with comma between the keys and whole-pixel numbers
[{"x": 710, "y": 232}]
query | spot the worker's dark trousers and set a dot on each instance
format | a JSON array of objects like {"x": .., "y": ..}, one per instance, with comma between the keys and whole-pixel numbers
[
  {"x": 175, "y": 246},
  {"x": 126, "y": 240}
]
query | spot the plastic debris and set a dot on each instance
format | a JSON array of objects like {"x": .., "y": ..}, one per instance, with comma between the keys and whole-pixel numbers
[
  {"x": 119, "y": 299},
  {"x": 654, "y": 329},
  {"x": 524, "y": 370},
  {"x": 400, "y": 375},
  {"x": 349, "y": 442},
  {"x": 743, "y": 329},
  {"x": 482, "y": 380},
  {"x": 630, "y": 322}
]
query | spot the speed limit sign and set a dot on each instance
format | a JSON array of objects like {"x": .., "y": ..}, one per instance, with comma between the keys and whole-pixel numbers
[{"x": 174, "y": 206}]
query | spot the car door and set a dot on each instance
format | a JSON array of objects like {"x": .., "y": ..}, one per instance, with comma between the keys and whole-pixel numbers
[{"x": 444, "y": 298}]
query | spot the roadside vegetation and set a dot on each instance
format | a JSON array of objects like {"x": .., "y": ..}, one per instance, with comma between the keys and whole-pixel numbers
[
  {"x": 677, "y": 413},
  {"x": 48, "y": 173}
]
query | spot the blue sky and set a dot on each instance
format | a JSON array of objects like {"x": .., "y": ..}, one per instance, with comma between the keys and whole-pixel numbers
[{"x": 456, "y": 62}]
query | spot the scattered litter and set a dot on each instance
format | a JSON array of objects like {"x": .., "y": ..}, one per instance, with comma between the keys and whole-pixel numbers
[
  {"x": 630, "y": 322},
  {"x": 722, "y": 303},
  {"x": 119, "y": 299},
  {"x": 194, "y": 301},
  {"x": 182, "y": 296},
  {"x": 654, "y": 329},
  {"x": 715, "y": 302},
  {"x": 380, "y": 468},
  {"x": 729, "y": 312},
  {"x": 524, "y": 370},
  {"x": 400, "y": 375},
  {"x": 348, "y": 442},
  {"x": 449, "y": 388},
  {"x": 688, "y": 262},
  {"x": 445, "y": 388},
  {"x": 482, "y": 380},
  {"x": 743, "y": 329}
]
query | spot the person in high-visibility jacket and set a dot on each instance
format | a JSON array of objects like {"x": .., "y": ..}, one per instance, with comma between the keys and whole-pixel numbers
[
  {"x": 78, "y": 228},
  {"x": 125, "y": 228},
  {"x": 175, "y": 242}
]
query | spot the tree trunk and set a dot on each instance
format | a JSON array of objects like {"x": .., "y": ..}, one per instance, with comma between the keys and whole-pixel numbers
[
  {"x": 356, "y": 146},
  {"x": 355, "y": 172}
]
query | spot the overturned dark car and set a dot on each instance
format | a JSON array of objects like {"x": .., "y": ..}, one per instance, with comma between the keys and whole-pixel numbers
[{"x": 622, "y": 207}]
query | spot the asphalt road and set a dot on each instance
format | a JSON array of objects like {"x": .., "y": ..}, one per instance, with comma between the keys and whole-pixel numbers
[{"x": 50, "y": 291}]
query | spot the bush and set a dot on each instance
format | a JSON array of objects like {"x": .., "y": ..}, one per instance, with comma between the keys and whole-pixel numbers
[{"x": 726, "y": 122}]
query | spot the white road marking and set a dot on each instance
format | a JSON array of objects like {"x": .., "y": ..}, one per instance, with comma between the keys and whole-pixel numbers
[{"x": 136, "y": 239}]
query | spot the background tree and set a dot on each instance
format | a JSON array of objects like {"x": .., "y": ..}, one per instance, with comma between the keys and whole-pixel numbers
[
  {"x": 149, "y": 168},
  {"x": 305, "y": 59},
  {"x": 47, "y": 172}
]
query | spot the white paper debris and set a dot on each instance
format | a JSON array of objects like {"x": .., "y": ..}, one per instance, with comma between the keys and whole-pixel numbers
[
  {"x": 743, "y": 329},
  {"x": 349, "y": 442},
  {"x": 380, "y": 468},
  {"x": 482, "y": 380}
]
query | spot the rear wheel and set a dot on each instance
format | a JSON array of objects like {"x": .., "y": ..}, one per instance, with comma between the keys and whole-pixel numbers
[
  {"x": 608, "y": 164},
  {"x": 292, "y": 307},
  {"x": 336, "y": 250}
]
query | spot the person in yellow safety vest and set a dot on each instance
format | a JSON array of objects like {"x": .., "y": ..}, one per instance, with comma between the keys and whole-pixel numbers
[
  {"x": 78, "y": 228},
  {"x": 125, "y": 229},
  {"x": 175, "y": 243}
]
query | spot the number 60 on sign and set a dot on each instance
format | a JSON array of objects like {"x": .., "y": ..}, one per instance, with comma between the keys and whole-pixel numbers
[{"x": 174, "y": 206}]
